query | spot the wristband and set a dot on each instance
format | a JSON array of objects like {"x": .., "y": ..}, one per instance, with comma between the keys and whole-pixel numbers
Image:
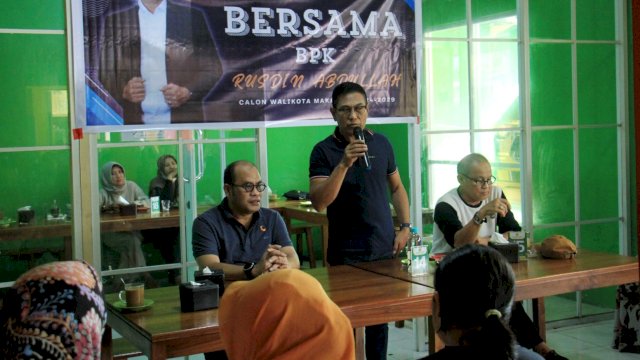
[
  {"x": 247, "y": 270},
  {"x": 477, "y": 220},
  {"x": 405, "y": 225}
]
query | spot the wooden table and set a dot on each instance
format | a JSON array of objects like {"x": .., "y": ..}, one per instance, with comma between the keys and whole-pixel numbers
[
  {"x": 366, "y": 298},
  {"x": 141, "y": 221},
  {"x": 108, "y": 223},
  {"x": 537, "y": 278},
  {"x": 40, "y": 230}
]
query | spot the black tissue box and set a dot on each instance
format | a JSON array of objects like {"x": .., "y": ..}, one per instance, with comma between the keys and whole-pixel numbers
[
  {"x": 510, "y": 251},
  {"x": 196, "y": 298},
  {"x": 216, "y": 277}
]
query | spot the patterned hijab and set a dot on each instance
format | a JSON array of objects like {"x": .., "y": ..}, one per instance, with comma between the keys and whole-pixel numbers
[
  {"x": 105, "y": 178},
  {"x": 283, "y": 315},
  {"x": 54, "y": 311}
]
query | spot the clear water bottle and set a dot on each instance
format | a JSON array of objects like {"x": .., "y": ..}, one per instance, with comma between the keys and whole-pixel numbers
[
  {"x": 410, "y": 244},
  {"x": 416, "y": 239},
  {"x": 55, "y": 210}
]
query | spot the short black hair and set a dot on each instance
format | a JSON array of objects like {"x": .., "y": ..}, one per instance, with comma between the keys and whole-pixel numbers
[
  {"x": 484, "y": 274},
  {"x": 346, "y": 88},
  {"x": 229, "y": 176}
]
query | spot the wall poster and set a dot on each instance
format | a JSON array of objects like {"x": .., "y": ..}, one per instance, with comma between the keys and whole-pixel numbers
[{"x": 149, "y": 64}]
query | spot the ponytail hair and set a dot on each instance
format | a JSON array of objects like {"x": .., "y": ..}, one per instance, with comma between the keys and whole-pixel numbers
[{"x": 476, "y": 286}]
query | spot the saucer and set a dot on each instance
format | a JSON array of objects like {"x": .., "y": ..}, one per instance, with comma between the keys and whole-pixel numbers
[
  {"x": 122, "y": 306},
  {"x": 7, "y": 222}
]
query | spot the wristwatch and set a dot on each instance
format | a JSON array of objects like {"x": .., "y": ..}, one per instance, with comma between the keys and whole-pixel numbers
[
  {"x": 477, "y": 220},
  {"x": 405, "y": 225},
  {"x": 247, "y": 270}
]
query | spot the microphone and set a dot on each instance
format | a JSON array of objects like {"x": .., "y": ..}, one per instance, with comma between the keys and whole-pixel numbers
[{"x": 364, "y": 161}]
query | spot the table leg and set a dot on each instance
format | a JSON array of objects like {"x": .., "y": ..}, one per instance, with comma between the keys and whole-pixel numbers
[
  {"x": 435, "y": 343},
  {"x": 359, "y": 343},
  {"x": 68, "y": 252},
  {"x": 158, "y": 352},
  {"x": 325, "y": 242},
  {"x": 107, "y": 344},
  {"x": 539, "y": 317}
]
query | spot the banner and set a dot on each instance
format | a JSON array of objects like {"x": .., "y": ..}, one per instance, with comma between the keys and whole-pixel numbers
[{"x": 242, "y": 63}]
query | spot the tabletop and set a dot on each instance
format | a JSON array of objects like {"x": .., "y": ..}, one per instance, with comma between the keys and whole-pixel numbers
[
  {"x": 538, "y": 277},
  {"x": 365, "y": 297}
]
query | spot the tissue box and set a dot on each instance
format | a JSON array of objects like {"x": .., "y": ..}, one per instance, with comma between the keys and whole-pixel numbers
[
  {"x": 131, "y": 209},
  {"x": 196, "y": 298},
  {"x": 216, "y": 277},
  {"x": 510, "y": 251}
]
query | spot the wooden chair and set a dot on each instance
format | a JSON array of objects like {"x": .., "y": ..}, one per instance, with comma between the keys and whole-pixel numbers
[{"x": 299, "y": 230}]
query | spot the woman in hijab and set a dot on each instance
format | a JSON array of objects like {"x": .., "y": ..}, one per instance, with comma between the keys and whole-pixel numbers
[
  {"x": 165, "y": 184},
  {"x": 54, "y": 311},
  {"x": 284, "y": 314},
  {"x": 115, "y": 189}
]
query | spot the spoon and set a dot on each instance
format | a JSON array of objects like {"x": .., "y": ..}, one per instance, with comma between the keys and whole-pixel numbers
[{"x": 123, "y": 283}]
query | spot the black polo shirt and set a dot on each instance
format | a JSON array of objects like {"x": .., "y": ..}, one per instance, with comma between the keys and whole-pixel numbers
[
  {"x": 360, "y": 222},
  {"x": 217, "y": 232}
]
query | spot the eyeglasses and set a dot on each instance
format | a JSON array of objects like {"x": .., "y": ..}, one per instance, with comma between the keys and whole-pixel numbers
[
  {"x": 480, "y": 181},
  {"x": 346, "y": 110},
  {"x": 248, "y": 187}
]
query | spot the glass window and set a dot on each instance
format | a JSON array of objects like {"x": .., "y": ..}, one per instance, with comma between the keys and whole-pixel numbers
[
  {"x": 447, "y": 85},
  {"x": 596, "y": 65},
  {"x": 551, "y": 87},
  {"x": 496, "y": 87}
]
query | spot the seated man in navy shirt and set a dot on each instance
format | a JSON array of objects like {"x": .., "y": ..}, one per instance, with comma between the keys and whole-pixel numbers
[{"x": 239, "y": 236}]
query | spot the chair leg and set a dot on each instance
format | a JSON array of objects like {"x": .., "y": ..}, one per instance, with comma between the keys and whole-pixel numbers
[
  {"x": 299, "y": 244},
  {"x": 312, "y": 256}
]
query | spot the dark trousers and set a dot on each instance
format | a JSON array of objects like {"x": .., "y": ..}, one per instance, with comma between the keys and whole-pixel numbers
[
  {"x": 526, "y": 332},
  {"x": 375, "y": 341}
]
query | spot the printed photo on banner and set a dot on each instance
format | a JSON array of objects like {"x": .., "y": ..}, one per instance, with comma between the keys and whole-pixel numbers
[{"x": 170, "y": 63}]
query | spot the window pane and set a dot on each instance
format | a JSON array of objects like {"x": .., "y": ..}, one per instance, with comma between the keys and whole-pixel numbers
[
  {"x": 447, "y": 86},
  {"x": 42, "y": 15},
  {"x": 444, "y": 179},
  {"x": 496, "y": 25},
  {"x": 597, "y": 84},
  {"x": 553, "y": 177},
  {"x": 600, "y": 237},
  {"x": 448, "y": 147},
  {"x": 444, "y": 18},
  {"x": 595, "y": 19},
  {"x": 36, "y": 179},
  {"x": 496, "y": 85},
  {"x": 550, "y": 19},
  {"x": 598, "y": 174},
  {"x": 35, "y": 104},
  {"x": 502, "y": 149},
  {"x": 551, "y": 97}
]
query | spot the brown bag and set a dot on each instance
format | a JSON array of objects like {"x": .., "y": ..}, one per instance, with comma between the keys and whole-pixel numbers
[{"x": 558, "y": 247}]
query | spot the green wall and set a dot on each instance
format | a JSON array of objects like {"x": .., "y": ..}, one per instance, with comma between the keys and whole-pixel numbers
[
  {"x": 34, "y": 70},
  {"x": 289, "y": 149}
]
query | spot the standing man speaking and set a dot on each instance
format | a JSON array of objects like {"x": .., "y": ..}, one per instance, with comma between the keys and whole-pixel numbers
[{"x": 351, "y": 175}]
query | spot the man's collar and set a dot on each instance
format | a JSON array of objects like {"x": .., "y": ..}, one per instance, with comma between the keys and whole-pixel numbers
[
  {"x": 368, "y": 134},
  {"x": 228, "y": 213}
]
